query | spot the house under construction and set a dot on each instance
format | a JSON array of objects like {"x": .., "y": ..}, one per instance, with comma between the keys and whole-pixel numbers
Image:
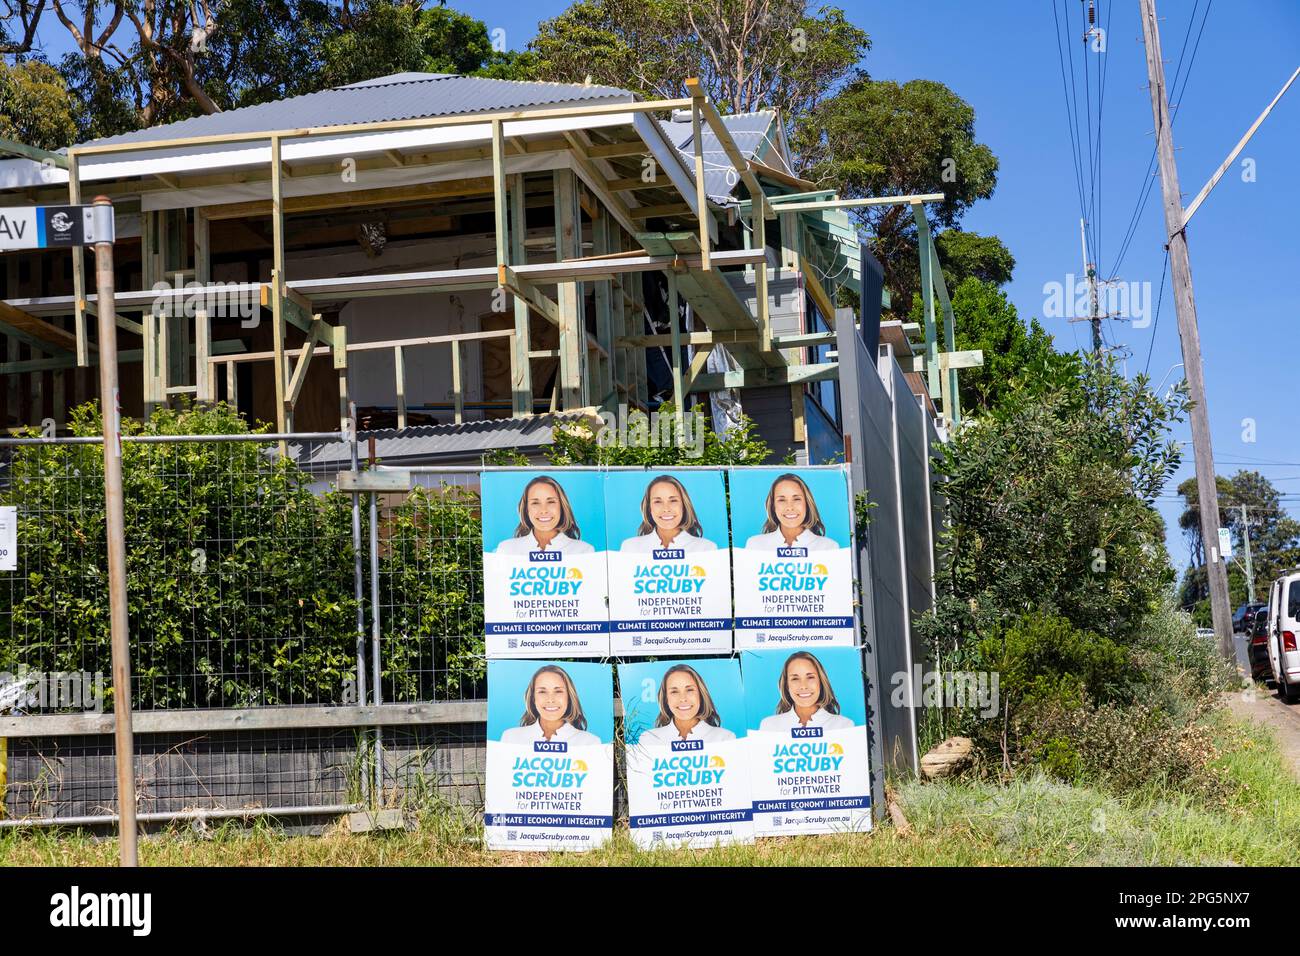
[{"x": 443, "y": 250}]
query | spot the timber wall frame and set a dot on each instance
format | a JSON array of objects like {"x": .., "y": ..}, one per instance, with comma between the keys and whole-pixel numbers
[
  {"x": 577, "y": 352},
  {"x": 597, "y": 370}
]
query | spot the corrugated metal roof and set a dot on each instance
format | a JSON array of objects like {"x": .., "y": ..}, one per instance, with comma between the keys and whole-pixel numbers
[
  {"x": 435, "y": 443},
  {"x": 748, "y": 130},
  {"x": 396, "y": 97}
]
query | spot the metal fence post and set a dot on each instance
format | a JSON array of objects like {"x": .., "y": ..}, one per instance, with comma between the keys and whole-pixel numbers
[
  {"x": 358, "y": 582},
  {"x": 375, "y": 621}
]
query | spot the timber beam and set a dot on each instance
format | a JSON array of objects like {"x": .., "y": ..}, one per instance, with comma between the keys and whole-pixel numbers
[
  {"x": 28, "y": 328},
  {"x": 765, "y": 377}
]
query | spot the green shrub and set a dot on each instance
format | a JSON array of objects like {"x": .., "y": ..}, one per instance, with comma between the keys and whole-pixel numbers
[
  {"x": 1123, "y": 748},
  {"x": 1039, "y": 659},
  {"x": 1175, "y": 666},
  {"x": 431, "y": 589},
  {"x": 239, "y": 578}
]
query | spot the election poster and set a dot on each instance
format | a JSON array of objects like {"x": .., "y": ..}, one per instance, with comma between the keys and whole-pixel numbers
[
  {"x": 687, "y": 775},
  {"x": 550, "y": 755},
  {"x": 807, "y": 739},
  {"x": 669, "y": 563},
  {"x": 791, "y": 557},
  {"x": 544, "y": 564}
]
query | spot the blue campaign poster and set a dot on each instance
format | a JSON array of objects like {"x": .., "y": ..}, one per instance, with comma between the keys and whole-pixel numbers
[
  {"x": 791, "y": 557},
  {"x": 807, "y": 736},
  {"x": 550, "y": 755},
  {"x": 669, "y": 563},
  {"x": 687, "y": 776},
  {"x": 544, "y": 573}
]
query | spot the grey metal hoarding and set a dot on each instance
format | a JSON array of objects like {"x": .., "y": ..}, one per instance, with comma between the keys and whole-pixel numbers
[{"x": 867, "y": 411}]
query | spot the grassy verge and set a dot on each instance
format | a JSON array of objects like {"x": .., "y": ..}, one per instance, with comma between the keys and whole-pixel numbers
[{"x": 1031, "y": 821}]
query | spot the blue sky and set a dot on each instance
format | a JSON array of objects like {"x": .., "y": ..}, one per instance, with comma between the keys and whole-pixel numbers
[{"x": 1002, "y": 57}]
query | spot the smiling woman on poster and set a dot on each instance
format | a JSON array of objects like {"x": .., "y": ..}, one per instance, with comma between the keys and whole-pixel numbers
[
  {"x": 552, "y": 711},
  {"x": 667, "y": 520},
  {"x": 546, "y": 522},
  {"x": 686, "y": 710},
  {"x": 806, "y": 697},
  {"x": 792, "y": 519}
]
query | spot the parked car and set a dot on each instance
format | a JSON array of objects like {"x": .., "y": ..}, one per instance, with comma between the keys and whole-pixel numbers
[
  {"x": 1244, "y": 616},
  {"x": 1257, "y": 646},
  {"x": 1283, "y": 626}
]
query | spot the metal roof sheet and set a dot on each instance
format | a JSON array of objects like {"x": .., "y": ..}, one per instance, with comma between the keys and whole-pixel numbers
[
  {"x": 434, "y": 443},
  {"x": 396, "y": 97}
]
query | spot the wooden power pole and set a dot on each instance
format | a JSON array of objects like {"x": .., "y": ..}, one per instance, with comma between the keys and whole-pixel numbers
[{"x": 1185, "y": 303}]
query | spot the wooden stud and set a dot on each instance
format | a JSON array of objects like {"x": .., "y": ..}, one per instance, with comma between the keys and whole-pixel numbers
[
  {"x": 799, "y": 413},
  {"x": 277, "y": 280},
  {"x": 232, "y": 385},
  {"x": 499, "y": 195},
  {"x": 674, "y": 320},
  {"x": 304, "y": 361},
  {"x": 568, "y": 241},
  {"x": 759, "y": 224},
  {"x": 161, "y": 377},
  {"x": 339, "y": 347},
  {"x": 457, "y": 390},
  {"x": 701, "y": 193},
  {"x": 521, "y": 387},
  {"x": 399, "y": 371},
  {"x": 604, "y": 316},
  {"x": 202, "y": 248},
  {"x": 618, "y": 318},
  {"x": 150, "y": 362},
  {"x": 202, "y": 346}
]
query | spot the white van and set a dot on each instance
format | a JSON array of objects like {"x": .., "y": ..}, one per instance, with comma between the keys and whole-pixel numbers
[{"x": 1283, "y": 634}]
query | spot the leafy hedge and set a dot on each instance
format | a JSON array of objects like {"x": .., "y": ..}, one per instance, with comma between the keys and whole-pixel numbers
[{"x": 240, "y": 579}]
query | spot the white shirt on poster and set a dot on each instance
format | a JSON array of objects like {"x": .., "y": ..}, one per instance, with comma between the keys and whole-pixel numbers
[
  {"x": 820, "y": 718},
  {"x": 533, "y": 732},
  {"x": 775, "y": 539},
  {"x": 701, "y": 731},
  {"x": 528, "y": 542},
  {"x": 646, "y": 543}
]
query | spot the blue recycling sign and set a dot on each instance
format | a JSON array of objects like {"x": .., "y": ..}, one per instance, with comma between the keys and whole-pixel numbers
[{"x": 52, "y": 227}]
